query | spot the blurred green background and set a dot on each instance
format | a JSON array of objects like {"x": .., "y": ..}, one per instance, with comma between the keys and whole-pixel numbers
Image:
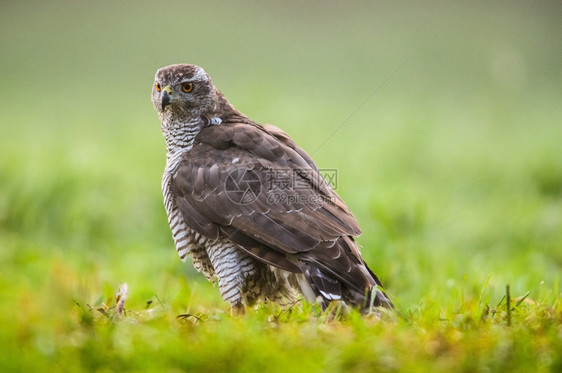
[{"x": 453, "y": 167}]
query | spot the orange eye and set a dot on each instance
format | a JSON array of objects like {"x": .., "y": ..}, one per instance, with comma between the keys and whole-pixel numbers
[
  {"x": 187, "y": 87},
  {"x": 157, "y": 86}
]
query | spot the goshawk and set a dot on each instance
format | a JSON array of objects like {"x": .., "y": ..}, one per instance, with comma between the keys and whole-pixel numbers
[{"x": 249, "y": 206}]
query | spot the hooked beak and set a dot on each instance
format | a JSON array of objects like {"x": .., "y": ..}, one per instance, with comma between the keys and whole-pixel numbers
[{"x": 166, "y": 99}]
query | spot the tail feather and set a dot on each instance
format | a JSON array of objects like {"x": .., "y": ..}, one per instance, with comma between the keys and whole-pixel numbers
[
  {"x": 380, "y": 300},
  {"x": 331, "y": 287},
  {"x": 322, "y": 284}
]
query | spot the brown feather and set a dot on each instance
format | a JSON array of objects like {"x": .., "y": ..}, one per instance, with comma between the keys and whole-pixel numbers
[{"x": 319, "y": 235}]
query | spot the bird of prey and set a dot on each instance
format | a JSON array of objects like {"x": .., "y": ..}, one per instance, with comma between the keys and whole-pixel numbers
[{"x": 250, "y": 207}]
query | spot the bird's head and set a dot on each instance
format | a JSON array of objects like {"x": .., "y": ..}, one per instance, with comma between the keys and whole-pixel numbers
[{"x": 182, "y": 91}]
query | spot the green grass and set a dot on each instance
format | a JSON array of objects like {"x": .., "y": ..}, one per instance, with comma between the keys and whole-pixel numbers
[{"x": 453, "y": 169}]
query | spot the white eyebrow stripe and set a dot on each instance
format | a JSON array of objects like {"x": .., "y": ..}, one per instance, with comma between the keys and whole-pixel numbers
[{"x": 200, "y": 75}]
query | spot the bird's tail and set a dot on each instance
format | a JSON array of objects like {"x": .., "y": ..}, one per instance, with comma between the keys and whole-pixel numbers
[
  {"x": 363, "y": 290},
  {"x": 380, "y": 299}
]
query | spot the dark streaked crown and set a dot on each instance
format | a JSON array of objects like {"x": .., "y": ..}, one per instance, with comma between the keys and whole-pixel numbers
[{"x": 174, "y": 74}]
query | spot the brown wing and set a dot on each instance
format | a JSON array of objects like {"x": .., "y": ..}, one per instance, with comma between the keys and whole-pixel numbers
[{"x": 266, "y": 195}]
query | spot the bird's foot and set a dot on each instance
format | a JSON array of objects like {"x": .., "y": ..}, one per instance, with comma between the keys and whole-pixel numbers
[{"x": 237, "y": 309}]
